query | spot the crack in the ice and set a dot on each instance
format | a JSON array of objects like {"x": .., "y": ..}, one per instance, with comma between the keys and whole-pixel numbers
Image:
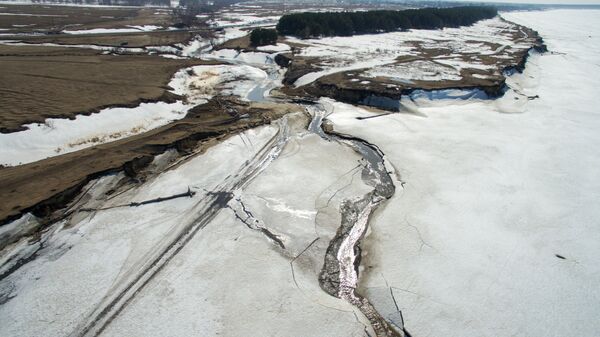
[
  {"x": 365, "y": 327},
  {"x": 253, "y": 223},
  {"x": 361, "y": 164},
  {"x": 297, "y": 256},
  {"x": 423, "y": 242},
  {"x": 396, "y": 303},
  {"x": 319, "y": 209}
]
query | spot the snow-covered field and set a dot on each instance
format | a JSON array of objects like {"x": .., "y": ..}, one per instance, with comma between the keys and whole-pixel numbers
[
  {"x": 492, "y": 230},
  {"x": 230, "y": 278},
  {"x": 190, "y": 50},
  {"x": 259, "y": 59},
  {"x": 203, "y": 82},
  {"x": 229, "y": 33},
  {"x": 243, "y": 20},
  {"x": 417, "y": 70},
  {"x": 495, "y": 232},
  {"x": 279, "y": 47},
  {"x": 246, "y": 17},
  {"x": 58, "y": 136},
  {"x": 115, "y": 243},
  {"x": 463, "y": 49}
]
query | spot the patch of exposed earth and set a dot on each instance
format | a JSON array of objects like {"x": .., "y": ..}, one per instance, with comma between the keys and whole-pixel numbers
[
  {"x": 202, "y": 126},
  {"x": 244, "y": 183},
  {"x": 52, "y": 82}
]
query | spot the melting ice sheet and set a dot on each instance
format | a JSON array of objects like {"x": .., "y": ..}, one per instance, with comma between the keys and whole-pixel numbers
[
  {"x": 238, "y": 279},
  {"x": 471, "y": 245},
  {"x": 197, "y": 84}
]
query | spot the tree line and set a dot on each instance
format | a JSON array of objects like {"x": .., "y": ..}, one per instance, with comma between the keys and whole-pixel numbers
[
  {"x": 307, "y": 24},
  {"x": 162, "y": 3},
  {"x": 263, "y": 37}
]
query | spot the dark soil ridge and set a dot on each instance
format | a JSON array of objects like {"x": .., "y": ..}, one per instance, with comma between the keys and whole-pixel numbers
[
  {"x": 333, "y": 85},
  {"x": 47, "y": 186}
]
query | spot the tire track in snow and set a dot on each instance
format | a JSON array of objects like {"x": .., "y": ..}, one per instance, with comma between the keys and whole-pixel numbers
[{"x": 207, "y": 209}]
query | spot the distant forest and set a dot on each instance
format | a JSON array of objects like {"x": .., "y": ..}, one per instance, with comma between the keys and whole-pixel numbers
[
  {"x": 162, "y": 3},
  {"x": 263, "y": 37},
  {"x": 306, "y": 25}
]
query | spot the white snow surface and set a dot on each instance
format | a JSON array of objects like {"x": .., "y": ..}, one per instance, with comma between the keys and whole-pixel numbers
[
  {"x": 336, "y": 68},
  {"x": 130, "y": 29},
  {"x": 228, "y": 34},
  {"x": 279, "y": 47},
  {"x": 233, "y": 275},
  {"x": 259, "y": 59},
  {"x": 27, "y": 14},
  {"x": 206, "y": 81},
  {"x": 343, "y": 53},
  {"x": 417, "y": 70},
  {"x": 489, "y": 193},
  {"x": 494, "y": 191},
  {"x": 120, "y": 238},
  {"x": 227, "y": 18},
  {"x": 58, "y": 136}
]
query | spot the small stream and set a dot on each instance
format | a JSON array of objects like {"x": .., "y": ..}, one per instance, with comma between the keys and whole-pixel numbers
[
  {"x": 261, "y": 91},
  {"x": 340, "y": 273}
]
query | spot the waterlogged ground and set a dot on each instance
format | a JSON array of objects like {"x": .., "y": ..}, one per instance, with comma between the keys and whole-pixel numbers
[{"x": 454, "y": 217}]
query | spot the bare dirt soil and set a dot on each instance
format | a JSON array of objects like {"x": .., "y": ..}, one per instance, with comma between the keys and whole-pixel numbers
[
  {"x": 347, "y": 86},
  {"x": 40, "y": 82},
  {"x": 29, "y": 18},
  {"x": 43, "y": 82},
  {"x": 141, "y": 39}
]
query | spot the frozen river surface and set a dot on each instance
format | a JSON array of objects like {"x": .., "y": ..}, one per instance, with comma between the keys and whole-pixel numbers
[
  {"x": 496, "y": 230},
  {"x": 492, "y": 229}
]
